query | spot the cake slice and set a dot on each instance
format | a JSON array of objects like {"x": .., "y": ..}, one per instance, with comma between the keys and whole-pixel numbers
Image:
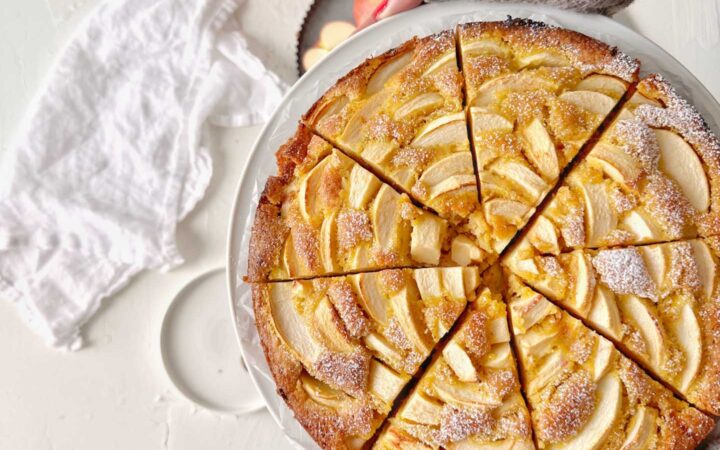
[
  {"x": 535, "y": 95},
  {"x": 659, "y": 301},
  {"x": 341, "y": 349},
  {"x": 653, "y": 177},
  {"x": 401, "y": 113},
  {"x": 584, "y": 394},
  {"x": 325, "y": 214},
  {"x": 469, "y": 397}
]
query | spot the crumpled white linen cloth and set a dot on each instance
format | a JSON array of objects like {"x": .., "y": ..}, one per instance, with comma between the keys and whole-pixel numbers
[{"x": 110, "y": 156}]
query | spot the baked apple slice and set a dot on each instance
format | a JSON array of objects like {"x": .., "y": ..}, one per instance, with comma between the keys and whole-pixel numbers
[
  {"x": 469, "y": 397},
  {"x": 656, "y": 300},
  {"x": 600, "y": 398},
  {"x": 532, "y": 106},
  {"x": 652, "y": 177}
]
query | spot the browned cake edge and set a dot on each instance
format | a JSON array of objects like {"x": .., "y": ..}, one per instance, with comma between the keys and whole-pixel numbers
[
  {"x": 328, "y": 427},
  {"x": 269, "y": 232},
  {"x": 353, "y": 84},
  {"x": 681, "y": 117},
  {"x": 586, "y": 53}
]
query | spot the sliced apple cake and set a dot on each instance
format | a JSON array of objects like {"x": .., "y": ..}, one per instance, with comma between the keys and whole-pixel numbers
[
  {"x": 342, "y": 348},
  {"x": 584, "y": 394},
  {"x": 535, "y": 95},
  {"x": 374, "y": 252},
  {"x": 653, "y": 176},
  {"x": 469, "y": 397}
]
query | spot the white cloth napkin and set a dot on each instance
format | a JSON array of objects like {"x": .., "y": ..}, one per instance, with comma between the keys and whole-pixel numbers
[{"x": 111, "y": 157}]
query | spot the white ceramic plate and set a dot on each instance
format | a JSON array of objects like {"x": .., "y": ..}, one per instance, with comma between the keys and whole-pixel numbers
[
  {"x": 372, "y": 41},
  {"x": 199, "y": 351}
]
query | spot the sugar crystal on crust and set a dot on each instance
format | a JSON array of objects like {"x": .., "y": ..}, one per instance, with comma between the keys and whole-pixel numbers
[
  {"x": 474, "y": 335},
  {"x": 411, "y": 157},
  {"x": 393, "y": 280}
]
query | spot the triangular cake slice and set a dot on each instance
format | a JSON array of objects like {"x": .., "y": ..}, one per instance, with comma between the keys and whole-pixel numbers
[
  {"x": 535, "y": 95},
  {"x": 325, "y": 214},
  {"x": 584, "y": 394},
  {"x": 659, "y": 301},
  {"x": 654, "y": 176},
  {"x": 342, "y": 348},
  {"x": 402, "y": 113},
  {"x": 469, "y": 397}
]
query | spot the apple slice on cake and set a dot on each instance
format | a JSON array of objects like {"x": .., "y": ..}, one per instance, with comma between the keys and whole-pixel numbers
[
  {"x": 342, "y": 348},
  {"x": 469, "y": 397},
  {"x": 535, "y": 95},
  {"x": 658, "y": 300},
  {"x": 592, "y": 396}
]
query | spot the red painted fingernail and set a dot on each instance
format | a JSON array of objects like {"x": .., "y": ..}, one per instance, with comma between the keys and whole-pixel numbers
[{"x": 380, "y": 8}]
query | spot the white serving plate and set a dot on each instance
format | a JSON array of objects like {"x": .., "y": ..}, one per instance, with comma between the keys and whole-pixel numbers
[{"x": 378, "y": 38}]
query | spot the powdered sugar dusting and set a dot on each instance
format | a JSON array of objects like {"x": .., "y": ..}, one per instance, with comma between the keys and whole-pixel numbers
[
  {"x": 666, "y": 203},
  {"x": 346, "y": 303},
  {"x": 353, "y": 227},
  {"x": 683, "y": 267},
  {"x": 638, "y": 141},
  {"x": 623, "y": 270},
  {"x": 457, "y": 424},
  {"x": 568, "y": 409},
  {"x": 348, "y": 372}
]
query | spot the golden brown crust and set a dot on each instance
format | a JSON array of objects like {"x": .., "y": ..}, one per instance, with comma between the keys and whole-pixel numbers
[
  {"x": 587, "y": 54},
  {"x": 681, "y": 117},
  {"x": 329, "y": 428},
  {"x": 352, "y": 86},
  {"x": 269, "y": 232}
]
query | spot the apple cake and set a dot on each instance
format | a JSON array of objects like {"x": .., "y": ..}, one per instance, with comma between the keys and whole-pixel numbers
[
  {"x": 583, "y": 393},
  {"x": 499, "y": 163}
]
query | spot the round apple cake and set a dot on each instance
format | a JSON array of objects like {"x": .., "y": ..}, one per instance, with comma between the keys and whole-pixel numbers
[{"x": 497, "y": 236}]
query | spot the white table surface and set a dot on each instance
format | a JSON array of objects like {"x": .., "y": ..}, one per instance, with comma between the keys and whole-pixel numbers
[{"x": 114, "y": 393}]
